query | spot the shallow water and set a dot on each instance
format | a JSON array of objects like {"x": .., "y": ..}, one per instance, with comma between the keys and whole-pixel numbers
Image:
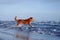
[{"x": 39, "y": 32}]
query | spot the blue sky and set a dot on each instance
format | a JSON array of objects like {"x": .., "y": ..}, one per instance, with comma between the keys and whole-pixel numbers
[{"x": 41, "y": 10}]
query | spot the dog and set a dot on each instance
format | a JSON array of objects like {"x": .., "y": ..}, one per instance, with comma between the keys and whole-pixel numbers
[{"x": 20, "y": 22}]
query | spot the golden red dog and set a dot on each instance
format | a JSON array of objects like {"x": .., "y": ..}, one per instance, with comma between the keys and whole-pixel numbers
[{"x": 20, "y": 22}]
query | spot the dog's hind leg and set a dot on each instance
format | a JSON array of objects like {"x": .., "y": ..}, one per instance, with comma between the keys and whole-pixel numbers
[{"x": 19, "y": 25}]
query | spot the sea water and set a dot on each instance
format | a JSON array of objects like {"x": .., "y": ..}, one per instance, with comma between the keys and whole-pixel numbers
[{"x": 38, "y": 32}]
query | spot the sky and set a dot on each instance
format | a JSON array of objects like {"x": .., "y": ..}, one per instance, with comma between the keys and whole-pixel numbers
[{"x": 40, "y": 10}]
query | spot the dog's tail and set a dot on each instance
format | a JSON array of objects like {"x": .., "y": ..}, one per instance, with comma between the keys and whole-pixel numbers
[{"x": 16, "y": 18}]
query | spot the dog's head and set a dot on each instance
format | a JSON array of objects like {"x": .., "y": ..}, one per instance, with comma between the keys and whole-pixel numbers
[{"x": 31, "y": 18}]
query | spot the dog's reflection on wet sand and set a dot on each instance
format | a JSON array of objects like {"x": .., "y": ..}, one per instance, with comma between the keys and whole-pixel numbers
[{"x": 24, "y": 35}]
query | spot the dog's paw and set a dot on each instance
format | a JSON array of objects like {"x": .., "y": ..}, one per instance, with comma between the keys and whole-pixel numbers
[{"x": 32, "y": 26}]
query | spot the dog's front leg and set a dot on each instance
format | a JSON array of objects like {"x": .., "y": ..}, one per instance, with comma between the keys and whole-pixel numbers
[{"x": 30, "y": 25}]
